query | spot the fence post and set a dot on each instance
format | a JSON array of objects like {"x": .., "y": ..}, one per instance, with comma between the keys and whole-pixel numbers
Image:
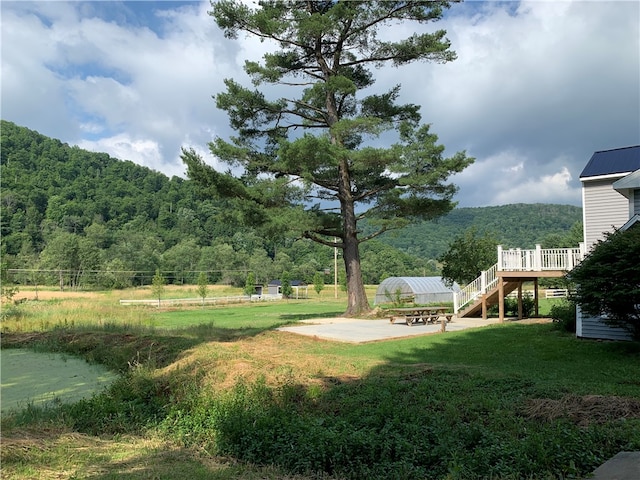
[
  {"x": 522, "y": 261},
  {"x": 500, "y": 258},
  {"x": 538, "y": 258}
]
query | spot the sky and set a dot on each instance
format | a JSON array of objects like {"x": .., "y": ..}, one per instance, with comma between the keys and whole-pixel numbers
[{"x": 536, "y": 88}]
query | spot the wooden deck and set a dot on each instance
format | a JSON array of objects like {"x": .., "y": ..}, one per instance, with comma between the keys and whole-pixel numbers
[{"x": 514, "y": 267}]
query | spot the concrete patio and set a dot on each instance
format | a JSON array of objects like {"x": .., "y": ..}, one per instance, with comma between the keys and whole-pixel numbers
[{"x": 352, "y": 330}]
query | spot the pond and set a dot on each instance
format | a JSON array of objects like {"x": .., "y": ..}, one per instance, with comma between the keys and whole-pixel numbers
[{"x": 35, "y": 378}]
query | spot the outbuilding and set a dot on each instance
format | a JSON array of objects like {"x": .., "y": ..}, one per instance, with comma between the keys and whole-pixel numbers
[
  {"x": 300, "y": 288},
  {"x": 422, "y": 290}
]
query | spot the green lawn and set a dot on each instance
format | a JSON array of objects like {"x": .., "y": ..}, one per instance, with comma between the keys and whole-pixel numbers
[
  {"x": 214, "y": 392},
  {"x": 264, "y": 315}
]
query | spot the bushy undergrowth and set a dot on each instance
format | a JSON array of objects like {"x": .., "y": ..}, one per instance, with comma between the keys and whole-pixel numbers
[
  {"x": 528, "y": 305},
  {"x": 564, "y": 315},
  {"x": 444, "y": 425}
]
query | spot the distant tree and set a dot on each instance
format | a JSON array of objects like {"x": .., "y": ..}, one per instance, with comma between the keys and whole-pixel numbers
[
  {"x": 217, "y": 260},
  {"x": 182, "y": 259},
  {"x": 301, "y": 163},
  {"x": 318, "y": 282},
  {"x": 202, "y": 286},
  {"x": 139, "y": 251},
  {"x": 115, "y": 275},
  {"x": 250, "y": 284},
  {"x": 285, "y": 285},
  {"x": 468, "y": 255},
  {"x": 157, "y": 285},
  {"x": 62, "y": 253},
  {"x": 608, "y": 280},
  {"x": 7, "y": 290},
  {"x": 569, "y": 239}
]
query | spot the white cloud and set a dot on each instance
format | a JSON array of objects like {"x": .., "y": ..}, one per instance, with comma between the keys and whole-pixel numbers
[
  {"x": 512, "y": 177},
  {"x": 537, "y": 86},
  {"x": 145, "y": 93},
  {"x": 552, "y": 188}
]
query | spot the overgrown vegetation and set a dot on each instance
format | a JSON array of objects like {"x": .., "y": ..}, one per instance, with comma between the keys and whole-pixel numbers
[
  {"x": 608, "y": 280},
  {"x": 528, "y": 305},
  {"x": 564, "y": 315},
  {"x": 243, "y": 401}
]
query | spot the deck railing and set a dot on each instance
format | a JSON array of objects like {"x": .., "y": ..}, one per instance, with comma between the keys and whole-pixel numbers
[
  {"x": 485, "y": 282},
  {"x": 518, "y": 260}
]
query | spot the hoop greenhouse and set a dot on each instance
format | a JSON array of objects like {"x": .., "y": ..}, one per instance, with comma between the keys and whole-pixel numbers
[{"x": 422, "y": 290}]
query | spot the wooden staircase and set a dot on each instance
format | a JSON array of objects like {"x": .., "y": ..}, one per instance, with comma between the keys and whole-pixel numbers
[
  {"x": 514, "y": 267},
  {"x": 491, "y": 297}
]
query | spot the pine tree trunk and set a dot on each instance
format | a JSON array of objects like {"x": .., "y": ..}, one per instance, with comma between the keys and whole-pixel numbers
[{"x": 357, "y": 302}]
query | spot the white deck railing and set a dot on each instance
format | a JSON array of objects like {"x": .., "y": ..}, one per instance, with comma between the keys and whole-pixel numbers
[
  {"x": 518, "y": 260},
  {"x": 486, "y": 281}
]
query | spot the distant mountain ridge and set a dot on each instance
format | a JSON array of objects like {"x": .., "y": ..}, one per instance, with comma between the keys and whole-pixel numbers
[{"x": 515, "y": 226}]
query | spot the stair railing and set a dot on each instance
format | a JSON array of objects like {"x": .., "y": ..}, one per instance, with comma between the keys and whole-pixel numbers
[{"x": 485, "y": 282}]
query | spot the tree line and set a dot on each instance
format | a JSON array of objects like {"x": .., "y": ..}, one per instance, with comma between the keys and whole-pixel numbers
[{"x": 84, "y": 219}]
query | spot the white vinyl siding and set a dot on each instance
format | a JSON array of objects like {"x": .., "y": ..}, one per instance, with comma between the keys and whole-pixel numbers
[
  {"x": 603, "y": 208},
  {"x": 590, "y": 327}
]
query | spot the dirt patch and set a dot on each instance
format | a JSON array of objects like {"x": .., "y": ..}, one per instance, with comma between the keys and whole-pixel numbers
[
  {"x": 531, "y": 321},
  {"x": 276, "y": 358},
  {"x": 584, "y": 410}
]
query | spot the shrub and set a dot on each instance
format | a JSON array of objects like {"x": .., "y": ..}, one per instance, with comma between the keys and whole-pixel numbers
[
  {"x": 608, "y": 279},
  {"x": 396, "y": 298},
  {"x": 564, "y": 315},
  {"x": 528, "y": 305}
]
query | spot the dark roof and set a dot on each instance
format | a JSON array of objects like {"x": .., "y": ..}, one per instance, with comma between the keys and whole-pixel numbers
[
  {"x": 293, "y": 283},
  {"x": 618, "y": 160}
]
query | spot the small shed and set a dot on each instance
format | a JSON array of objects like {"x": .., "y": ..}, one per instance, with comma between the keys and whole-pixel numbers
[
  {"x": 300, "y": 289},
  {"x": 422, "y": 290}
]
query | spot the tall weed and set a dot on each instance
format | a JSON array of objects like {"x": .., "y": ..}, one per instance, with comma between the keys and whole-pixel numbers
[{"x": 444, "y": 425}]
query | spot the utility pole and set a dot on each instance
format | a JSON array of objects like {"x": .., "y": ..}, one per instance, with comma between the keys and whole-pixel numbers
[{"x": 335, "y": 269}]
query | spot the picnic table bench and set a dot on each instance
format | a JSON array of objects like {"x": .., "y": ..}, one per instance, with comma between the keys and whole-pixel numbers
[{"x": 424, "y": 315}]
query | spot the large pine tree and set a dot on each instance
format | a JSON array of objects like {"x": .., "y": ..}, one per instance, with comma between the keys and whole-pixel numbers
[{"x": 305, "y": 161}]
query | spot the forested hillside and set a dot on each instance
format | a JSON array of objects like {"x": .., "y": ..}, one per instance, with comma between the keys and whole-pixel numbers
[
  {"x": 518, "y": 226},
  {"x": 87, "y": 219},
  {"x": 90, "y": 219}
]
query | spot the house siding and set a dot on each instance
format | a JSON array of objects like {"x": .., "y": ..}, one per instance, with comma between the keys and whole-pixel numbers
[
  {"x": 636, "y": 202},
  {"x": 603, "y": 208},
  {"x": 594, "y": 327}
]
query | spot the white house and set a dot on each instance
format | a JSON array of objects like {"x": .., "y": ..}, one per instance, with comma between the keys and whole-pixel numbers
[{"x": 610, "y": 200}]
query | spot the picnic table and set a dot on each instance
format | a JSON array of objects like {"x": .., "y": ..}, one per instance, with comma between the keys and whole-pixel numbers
[{"x": 420, "y": 314}]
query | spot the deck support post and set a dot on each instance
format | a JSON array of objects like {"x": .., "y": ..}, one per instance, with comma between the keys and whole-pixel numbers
[
  {"x": 535, "y": 295},
  {"x": 484, "y": 307},
  {"x": 519, "y": 299},
  {"x": 500, "y": 299}
]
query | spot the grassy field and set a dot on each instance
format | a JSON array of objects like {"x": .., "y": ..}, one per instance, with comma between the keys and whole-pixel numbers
[{"x": 217, "y": 393}]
